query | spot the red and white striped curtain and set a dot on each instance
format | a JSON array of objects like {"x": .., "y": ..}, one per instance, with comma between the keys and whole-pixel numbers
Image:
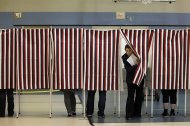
[
  {"x": 7, "y": 59},
  {"x": 101, "y": 53},
  {"x": 140, "y": 41},
  {"x": 32, "y": 58},
  {"x": 68, "y": 57},
  {"x": 171, "y": 59}
]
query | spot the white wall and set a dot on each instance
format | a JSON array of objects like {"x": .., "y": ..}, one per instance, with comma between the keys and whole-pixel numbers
[{"x": 180, "y": 6}]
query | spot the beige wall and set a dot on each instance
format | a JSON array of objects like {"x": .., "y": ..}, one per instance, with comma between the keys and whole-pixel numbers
[{"x": 180, "y": 6}]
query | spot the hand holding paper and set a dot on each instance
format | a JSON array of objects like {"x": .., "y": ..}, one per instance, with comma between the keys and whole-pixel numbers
[{"x": 133, "y": 60}]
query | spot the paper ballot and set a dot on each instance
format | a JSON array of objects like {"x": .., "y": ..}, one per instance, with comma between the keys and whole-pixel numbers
[{"x": 132, "y": 60}]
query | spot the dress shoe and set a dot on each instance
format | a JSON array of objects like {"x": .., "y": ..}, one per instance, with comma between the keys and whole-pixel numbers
[{"x": 128, "y": 117}]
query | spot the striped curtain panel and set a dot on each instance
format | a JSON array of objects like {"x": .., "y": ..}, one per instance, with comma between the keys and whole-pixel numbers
[
  {"x": 140, "y": 41},
  {"x": 101, "y": 53},
  {"x": 171, "y": 59},
  {"x": 32, "y": 58},
  {"x": 68, "y": 57},
  {"x": 7, "y": 59}
]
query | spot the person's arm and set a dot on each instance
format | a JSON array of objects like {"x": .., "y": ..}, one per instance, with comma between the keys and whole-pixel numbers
[{"x": 127, "y": 66}]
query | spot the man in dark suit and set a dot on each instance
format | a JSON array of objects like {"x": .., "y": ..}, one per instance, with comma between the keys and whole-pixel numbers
[{"x": 133, "y": 107}]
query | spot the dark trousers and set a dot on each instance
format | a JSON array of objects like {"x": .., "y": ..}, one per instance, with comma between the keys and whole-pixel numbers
[
  {"x": 134, "y": 104},
  {"x": 101, "y": 103},
  {"x": 10, "y": 99},
  {"x": 70, "y": 100},
  {"x": 172, "y": 94}
]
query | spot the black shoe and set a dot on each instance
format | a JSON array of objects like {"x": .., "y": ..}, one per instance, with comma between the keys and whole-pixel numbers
[
  {"x": 165, "y": 114},
  {"x": 137, "y": 115},
  {"x": 74, "y": 114},
  {"x": 172, "y": 113},
  {"x": 69, "y": 114},
  {"x": 128, "y": 117},
  {"x": 10, "y": 114},
  {"x": 88, "y": 115},
  {"x": 2, "y": 115},
  {"x": 101, "y": 116}
]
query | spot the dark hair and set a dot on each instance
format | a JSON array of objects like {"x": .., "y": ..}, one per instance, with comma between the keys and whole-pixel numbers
[{"x": 127, "y": 46}]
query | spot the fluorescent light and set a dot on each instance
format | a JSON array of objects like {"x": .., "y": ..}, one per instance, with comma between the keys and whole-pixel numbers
[{"x": 142, "y": 0}]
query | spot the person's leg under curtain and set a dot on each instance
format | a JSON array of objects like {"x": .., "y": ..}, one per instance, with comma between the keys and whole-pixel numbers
[
  {"x": 101, "y": 103},
  {"x": 173, "y": 100},
  {"x": 67, "y": 101},
  {"x": 90, "y": 103},
  {"x": 73, "y": 102},
  {"x": 2, "y": 102},
  {"x": 139, "y": 99},
  {"x": 10, "y": 98},
  {"x": 165, "y": 94},
  {"x": 130, "y": 100}
]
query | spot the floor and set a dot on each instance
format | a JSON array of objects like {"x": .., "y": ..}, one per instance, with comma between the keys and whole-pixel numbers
[{"x": 35, "y": 111}]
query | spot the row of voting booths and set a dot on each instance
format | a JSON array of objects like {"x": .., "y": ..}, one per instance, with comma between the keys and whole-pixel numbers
[{"x": 90, "y": 59}]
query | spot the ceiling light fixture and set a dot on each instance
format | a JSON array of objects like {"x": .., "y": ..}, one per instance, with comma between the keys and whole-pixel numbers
[{"x": 144, "y": 1}]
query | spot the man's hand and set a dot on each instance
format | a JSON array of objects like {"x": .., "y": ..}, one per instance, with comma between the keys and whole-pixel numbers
[{"x": 138, "y": 61}]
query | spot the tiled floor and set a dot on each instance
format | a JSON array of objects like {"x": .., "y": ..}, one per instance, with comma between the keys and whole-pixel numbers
[
  {"x": 40, "y": 121},
  {"x": 35, "y": 110}
]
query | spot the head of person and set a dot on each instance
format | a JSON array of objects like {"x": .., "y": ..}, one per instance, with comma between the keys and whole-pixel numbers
[{"x": 128, "y": 50}]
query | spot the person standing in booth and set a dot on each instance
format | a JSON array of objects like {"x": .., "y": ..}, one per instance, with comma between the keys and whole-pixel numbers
[
  {"x": 133, "y": 105},
  {"x": 172, "y": 95},
  {"x": 10, "y": 100},
  {"x": 70, "y": 101},
  {"x": 101, "y": 104}
]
